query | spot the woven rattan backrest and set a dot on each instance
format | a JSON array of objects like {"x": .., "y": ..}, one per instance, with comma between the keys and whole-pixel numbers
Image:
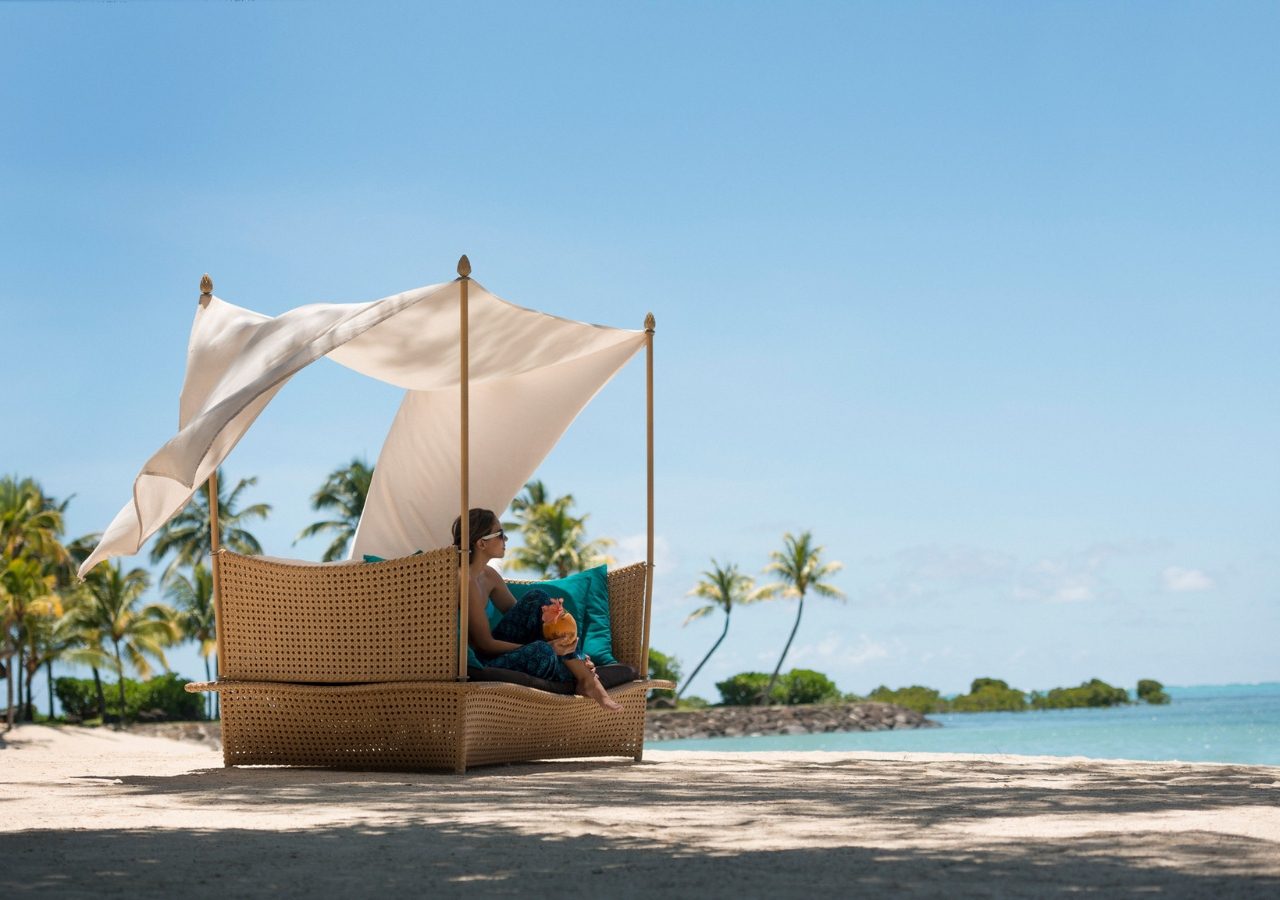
[
  {"x": 626, "y": 613},
  {"x": 352, "y": 623}
]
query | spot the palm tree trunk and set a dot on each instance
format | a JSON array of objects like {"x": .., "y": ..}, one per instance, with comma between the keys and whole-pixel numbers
[
  {"x": 120, "y": 681},
  {"x": 48, "y": 671},
  {"x": 8, "y": 681},
  {"x": 208, "y": 701},
  {"x": 102, "y": 697},
  {"x": 698, "y": 667},
  {"x": 217, "y": 698},
  {"x": 30, "y": 706},
  {"x": 768, "y": 691},
  {"x": 21, "y": 667}
]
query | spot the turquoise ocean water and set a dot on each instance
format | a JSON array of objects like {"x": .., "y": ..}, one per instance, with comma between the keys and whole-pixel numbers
[{"x": 1220, "y": 723}]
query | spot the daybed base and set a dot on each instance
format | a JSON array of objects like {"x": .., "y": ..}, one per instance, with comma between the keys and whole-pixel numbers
[{"x": 420, "y": 725}]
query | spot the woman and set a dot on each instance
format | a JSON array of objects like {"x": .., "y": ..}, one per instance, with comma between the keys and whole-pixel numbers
[{"x": 516, "y": 642}]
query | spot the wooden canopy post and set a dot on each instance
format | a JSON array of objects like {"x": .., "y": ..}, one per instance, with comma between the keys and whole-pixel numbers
[
  {"x": 649, "y": 324},
  {"x": 215, "y": 536},
  {"x": 464, "y": 521}
]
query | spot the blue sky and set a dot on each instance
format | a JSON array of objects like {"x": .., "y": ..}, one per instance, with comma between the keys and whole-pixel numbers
[{"x": 984, "y": 294}]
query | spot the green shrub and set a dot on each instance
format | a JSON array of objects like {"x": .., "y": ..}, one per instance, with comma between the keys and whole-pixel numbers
[
  {"x": 792, "y": 688},
  {"x": 990, "y": 695},
  {"x": 1152, "y": 691},
  {"x": 169, "y": 694},
  {"x": 745, "y": 688},
  {"x": 165, "y": 693},
  {"x": 1094, "y": 692},
  {"x": 664, "y": 667},
  {"x": 693, "y": 702},
  {"x": 917, "y": 697},
  {"x": 77, "y": 697},
  {"x": 807, "y": 686}
]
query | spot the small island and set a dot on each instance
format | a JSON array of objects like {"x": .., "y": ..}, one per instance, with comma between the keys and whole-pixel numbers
[
  {"x": 995, "y": 695},
  {"x": 807, "y": 702}
]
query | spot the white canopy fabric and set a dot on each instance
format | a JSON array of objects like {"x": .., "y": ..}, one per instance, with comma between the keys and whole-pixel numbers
[{"x": 530, "y": 376}]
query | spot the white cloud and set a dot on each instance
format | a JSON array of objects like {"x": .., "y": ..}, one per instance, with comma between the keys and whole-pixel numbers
[
  {"x": 931, "y": 572},
  {"x": 1077, "y": 577},
  {"x": 825, "y": 647},
  {"x": 1182, "y": 581},
  {"x": 632, "y": 548},
  {"x": 943, "y": 573},
  {"x": 866, "y": 651},
  {"x": 666, "y": 592},
  {"x": 832, "y": 650},
  {"x": 1072, "y": 593}
]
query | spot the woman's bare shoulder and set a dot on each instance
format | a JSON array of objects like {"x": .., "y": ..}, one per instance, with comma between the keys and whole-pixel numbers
[{"x": 491, "y": 578}]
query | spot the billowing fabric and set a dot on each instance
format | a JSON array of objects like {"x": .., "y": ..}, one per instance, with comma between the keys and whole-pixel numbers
[{"x": 530, "y": 375}]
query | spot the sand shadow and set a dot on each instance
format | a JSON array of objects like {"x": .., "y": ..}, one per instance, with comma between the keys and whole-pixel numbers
[
  {"x": 923, "y": 794},
  {"x": 455, "y": 860}
]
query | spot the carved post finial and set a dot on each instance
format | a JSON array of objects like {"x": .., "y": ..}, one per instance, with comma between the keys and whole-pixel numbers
[
  {"x": 206, "y": 290},
  {"x": 649, "y": 322},
  {"x": 464, "y": 266}
]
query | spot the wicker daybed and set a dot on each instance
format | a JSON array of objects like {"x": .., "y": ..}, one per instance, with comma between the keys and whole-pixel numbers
[
  {"x": 363, "y": 665},
  {"x": 352, "y": 666}
]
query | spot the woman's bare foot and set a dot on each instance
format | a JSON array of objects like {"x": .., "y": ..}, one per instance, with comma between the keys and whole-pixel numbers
[{"x": 592, "y": 689}]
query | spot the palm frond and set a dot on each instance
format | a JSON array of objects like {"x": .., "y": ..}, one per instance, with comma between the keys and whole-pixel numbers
[
  {"x": 344, "y": 492},
  {"x": 186, "y": 536},
  {"x": 701, "y": 612}
]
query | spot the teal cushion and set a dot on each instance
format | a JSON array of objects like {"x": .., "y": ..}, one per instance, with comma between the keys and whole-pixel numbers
[
  {"x": 586, "y": 597},
  {"x": 369, "y": 557}
]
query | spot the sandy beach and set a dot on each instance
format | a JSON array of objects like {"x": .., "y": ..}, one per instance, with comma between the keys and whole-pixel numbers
[{"x": 98, "y": 813}]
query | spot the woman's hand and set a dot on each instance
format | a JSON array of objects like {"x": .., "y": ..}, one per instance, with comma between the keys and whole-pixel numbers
[{"x": 565, "y": 645}]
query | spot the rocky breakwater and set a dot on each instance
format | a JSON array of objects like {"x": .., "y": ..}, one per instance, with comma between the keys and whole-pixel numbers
[{"x": 753, "y": 721}]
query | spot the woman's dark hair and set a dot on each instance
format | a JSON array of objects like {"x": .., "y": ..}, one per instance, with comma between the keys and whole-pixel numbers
[{"x": 479, "y": 523}]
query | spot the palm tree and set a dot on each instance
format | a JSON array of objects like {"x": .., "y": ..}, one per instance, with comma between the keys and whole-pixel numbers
[
  {"x": 193, "y": 599},
  {"x": 30, "y": 527},
  {"x": 555, "y": 542},
  {"x": 535, "y": 495},
  {"x": 344, "y": 491},
  {"x": 8, "y": 616},
  {"x": 87, "y": 651},
  {"x": 112, "y": 617},
  {"x": 28, "y": 598},
  {"x": 38, "y": 638},
  {"x": 63, "y": 637},
  {"x": 30, "y": 522},
  {"x": 799, "y": 569},
  {"x": 724, "y": 587},
  {"x": 186, "y": 535},
  {"x": 57, "y": 638}
]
